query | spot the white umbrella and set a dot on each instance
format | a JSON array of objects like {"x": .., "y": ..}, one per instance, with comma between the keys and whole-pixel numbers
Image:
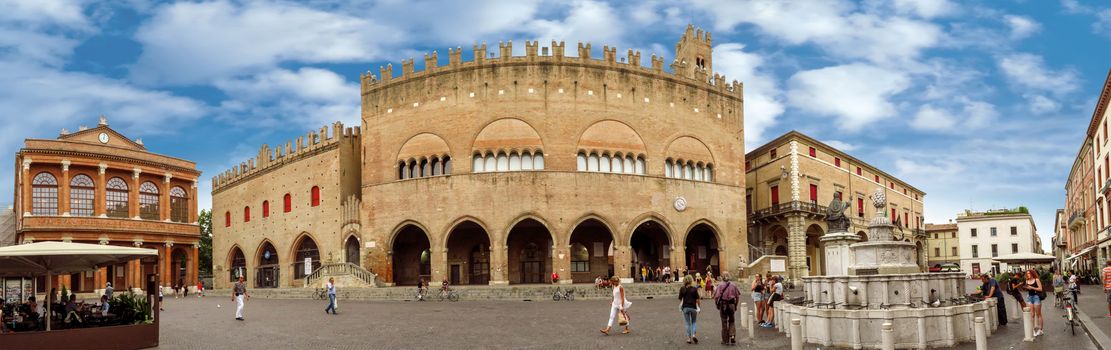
[
  {"x": 51, "y": 258},
  {"x": 1026, "y": 258}
]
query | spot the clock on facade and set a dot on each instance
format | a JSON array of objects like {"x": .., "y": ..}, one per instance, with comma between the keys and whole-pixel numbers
[
  {"x": 680, "y": 204},
  {"x": 103, "y": 137}
]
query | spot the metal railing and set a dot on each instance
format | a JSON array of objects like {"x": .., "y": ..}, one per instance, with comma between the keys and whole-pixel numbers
[
  {"x": 341, "y": 269},
  {"x": 792, "y": 206}
]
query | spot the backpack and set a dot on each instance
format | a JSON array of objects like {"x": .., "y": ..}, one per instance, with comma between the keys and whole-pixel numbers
[{"x": 721, "y": 303}]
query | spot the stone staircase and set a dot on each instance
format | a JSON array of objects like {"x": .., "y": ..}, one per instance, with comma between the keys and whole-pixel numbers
[
  {"x": 533, "y": 292},
  {"x": 348, "y": 274}
]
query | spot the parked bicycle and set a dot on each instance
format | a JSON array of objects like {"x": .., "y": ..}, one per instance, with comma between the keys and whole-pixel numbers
[
  {"x": 564, "y": 294},
  {"x": 320, "y": 294},
  {"x": 421, "y": 294},
  {"x": 1070, "y": 311},
  {"x": 448, "y": 294}
]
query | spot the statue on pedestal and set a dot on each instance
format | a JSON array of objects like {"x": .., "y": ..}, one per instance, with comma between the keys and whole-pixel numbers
[{"x": 836, "y": 219}]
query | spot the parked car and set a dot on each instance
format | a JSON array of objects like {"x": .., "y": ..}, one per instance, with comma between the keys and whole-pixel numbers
[{"x": 946, "y": 267}]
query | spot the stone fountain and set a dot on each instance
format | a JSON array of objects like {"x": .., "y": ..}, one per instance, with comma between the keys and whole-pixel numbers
[{"x": 876, "y": 282}]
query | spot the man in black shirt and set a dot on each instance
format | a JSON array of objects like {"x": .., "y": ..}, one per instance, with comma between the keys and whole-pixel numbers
[{"x": 990, "y": 289}]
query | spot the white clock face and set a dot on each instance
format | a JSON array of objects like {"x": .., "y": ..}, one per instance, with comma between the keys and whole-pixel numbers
[
  {"x": 103, "y": 137},
  {"x": 680, "y": 204}
]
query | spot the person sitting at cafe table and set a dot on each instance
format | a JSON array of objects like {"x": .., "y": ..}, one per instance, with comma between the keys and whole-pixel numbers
[{"x": 72, "y": 309}]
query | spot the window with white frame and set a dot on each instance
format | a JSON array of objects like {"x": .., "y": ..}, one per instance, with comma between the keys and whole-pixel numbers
[
  {"x": 606, "y": 162},
  {"x": 527, "y": 160},
  {"x": 689, "y": 170}
]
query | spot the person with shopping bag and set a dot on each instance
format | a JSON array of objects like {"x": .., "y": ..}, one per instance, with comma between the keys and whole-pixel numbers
[{"x": 618, "y": 308}]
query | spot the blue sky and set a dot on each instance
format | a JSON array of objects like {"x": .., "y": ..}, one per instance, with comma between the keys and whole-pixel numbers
[{"x": 980, "y": 104}]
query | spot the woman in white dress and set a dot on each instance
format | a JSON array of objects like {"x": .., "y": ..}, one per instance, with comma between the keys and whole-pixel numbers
[{"x": 618, "y": 306}]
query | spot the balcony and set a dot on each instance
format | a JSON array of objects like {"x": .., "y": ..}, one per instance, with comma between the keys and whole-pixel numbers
[
  {"x": 1106, "y": 187},
  {"x": 777, "y": 211},
  {"x": 1076, "y": 220}
]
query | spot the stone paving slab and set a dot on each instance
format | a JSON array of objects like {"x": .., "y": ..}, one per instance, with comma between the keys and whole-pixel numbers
[
  {"x": 1093, "y": 310},
  {"x": 657, "y": 324}
]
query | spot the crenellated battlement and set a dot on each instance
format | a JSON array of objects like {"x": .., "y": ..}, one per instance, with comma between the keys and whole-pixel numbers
[
  {"x": 694, "y": 71},
  {"x": 271, "y": 157}
]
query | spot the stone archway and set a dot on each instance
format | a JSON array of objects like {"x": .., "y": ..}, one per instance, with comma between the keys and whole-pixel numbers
[
  {"x": 651, "y": 248},
  {"x": 468, "y": 254},
  {"x": 702, "y": 250},
  {"x": 268, "y": 270},
  {"x": 529, "y": 246},
  {"x": 179, "y": 267},
  {"x": 590, "y": 245},
  {"x": 237, "y": 264},
  {"x": 412, "y": 256},
  {"x": 306, "y": 257},
  {"x": 351, "y": 250}
]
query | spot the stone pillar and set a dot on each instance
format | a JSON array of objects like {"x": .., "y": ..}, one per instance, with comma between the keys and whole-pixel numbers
[
  {"x": 439, "y": 265},
  {"x": 195, "y": 269},
  {"x": 99, "y": 205},
  {"x": 63, "y": 190},
  {"x": 678, "y": 258},
  {"x": 796, "y": 246},
  {"x": 165, "y": 263},
  {"x": 622, "y": 259},
  {"x": 26, "y": 182},
  {"x": 837, "y": 252},
  {"x": 499, "y": 264},
  {"x": 164, "y": 199},
  {"x": 133, "y": 194},
  {"x": 561, "y": 263},
  {"x": 99, "y": 279},
  {"x": 192, "y": 203}
]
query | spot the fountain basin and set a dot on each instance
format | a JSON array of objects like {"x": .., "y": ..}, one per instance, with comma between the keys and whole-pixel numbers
[{"x": 883, "y": 291}]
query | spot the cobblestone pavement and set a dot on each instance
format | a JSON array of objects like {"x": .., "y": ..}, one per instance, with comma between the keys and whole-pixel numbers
[{"x": 657, "y": 324}]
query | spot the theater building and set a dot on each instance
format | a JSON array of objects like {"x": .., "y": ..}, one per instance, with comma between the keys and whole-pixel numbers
[
  {"x": 794, "y": 177},
  {"x": 506, "y": 169},
  {"x": 98, "y": 186}
]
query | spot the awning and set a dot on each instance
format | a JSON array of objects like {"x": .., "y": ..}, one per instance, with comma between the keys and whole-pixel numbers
[{"x": 1025, "y": 258}]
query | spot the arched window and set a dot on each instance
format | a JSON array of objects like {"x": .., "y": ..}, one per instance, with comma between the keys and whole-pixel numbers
[
  {"x": 629, "y": 167},
  {"x": 604, "y": 163},
  {"x": 581, "y": 161},
  {"x": 401, "y": 170},
  {"x": 580, "y": 258},
  {"x": 414, "y": 171},
  {"x": 526, "y": 161},
  {"x": 503, "y": 162},
  {"x": 265, "y": 209},
  {"x": 227, "y": 219},
  {"x": 617, "y": 165},
  {"x": 179, "y": 205},
  {"x": 491, "y": 163},
  {"x": 287, "y": 203},
  {"x": 698, "y": 172},
  {"x": 709, "y": 173},
  {"x": 514, "y": 161},
  {"x": 640, "y": 165},
  {"x": 478, "y": 164},
  {"x": 435, "y": 165},
  {"x": 306, "y": 250},
  {"x": 81, "y": 195},
  {"x": 247, "y": 214},
  {"x": 688, "y": 172},
  {"x": 592, "y": 162},
  {"x": 447, "y": 165},
  {"x": 115, "y": 198},
  {"x": 315, "y": 196},
  {"x": 669, "y": 168},
  {"x": 538, "y": 160},
  {"x": 148, "y": 201},
  {"x": 425, "y": 168},
  {"x": 44, "y": 194}
]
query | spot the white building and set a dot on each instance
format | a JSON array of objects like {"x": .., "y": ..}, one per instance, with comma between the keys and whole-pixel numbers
[{"x": 995, "y": 233}]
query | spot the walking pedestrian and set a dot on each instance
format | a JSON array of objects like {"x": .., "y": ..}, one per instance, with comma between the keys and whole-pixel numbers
[
  {"x": 1036, "y": 291},
  {"x": 1107, "y": 285},
  {"x": 776, "y": 295},
  {"x": 757, "y": 289},
  {"x": 643, "y": 273},
  {"x": 1058, "y": 288},
  {"x": 618, "y": 308},
  {"x": 108, "y": 290},
  {"x": 725, "y": 297},
  {"x": 709, "y": 286},
  {"x": 200, "y": 288},
  {"x": 991, "y": 289},
  {"x": 331, "y": 287},
  {"x": 656, "y": 276},
  {"x": 690, "y": 306},
  {"x": 239, "y": 293}
]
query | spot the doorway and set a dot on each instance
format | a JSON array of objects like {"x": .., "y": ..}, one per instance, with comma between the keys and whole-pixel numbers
[{"x": 455, "y": 272}]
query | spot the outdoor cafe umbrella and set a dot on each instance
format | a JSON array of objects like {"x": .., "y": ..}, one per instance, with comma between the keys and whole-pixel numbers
[
  {"x": 52, "y": 258},
  {"x": 1026, "y": 258}
]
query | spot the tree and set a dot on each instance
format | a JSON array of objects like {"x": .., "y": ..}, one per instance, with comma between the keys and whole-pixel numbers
[{"x": 204, "y": 220}]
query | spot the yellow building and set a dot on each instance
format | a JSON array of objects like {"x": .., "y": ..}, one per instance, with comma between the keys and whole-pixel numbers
[
  {"x": 790, "y": 180},
  {"x": 943, "y": 244}
]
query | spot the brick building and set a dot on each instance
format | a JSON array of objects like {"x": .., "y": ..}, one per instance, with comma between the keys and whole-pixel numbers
[
  {"x": 504, "y": 169},
  {"x": 98, "y": 186},
  {"x": 792, "y": 178}
]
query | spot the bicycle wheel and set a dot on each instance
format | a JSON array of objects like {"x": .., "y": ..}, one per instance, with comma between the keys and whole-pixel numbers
[
  {"x": 453, "y": 296},
  {"x": 555, "y": 297},
  {"x": 442, "y": 296},
  {"x": 571, "y": 297}
]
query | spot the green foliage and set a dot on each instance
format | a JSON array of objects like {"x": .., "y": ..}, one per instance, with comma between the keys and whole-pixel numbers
[
  {"x": 65, "y": 293},
  {"x": 131, "y": 308},
  {"x": 204, "y": 220}
]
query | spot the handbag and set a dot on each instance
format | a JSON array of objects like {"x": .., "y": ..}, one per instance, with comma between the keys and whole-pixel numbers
[{"x": 622, "y": 318}]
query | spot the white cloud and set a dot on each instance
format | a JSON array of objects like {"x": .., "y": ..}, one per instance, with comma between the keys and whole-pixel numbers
[
  {"x": 925, "y": 8},
  {"x": 1029, "y": 71},
  {"x": 933, "y": 119},
  {"x": 309, "y": 96},
  {"x": 763, "y": 97},
  {"x": 1042, "y": 104},
  {"x": 188, "y": 43},
  {"x": 1021, "y": 27},
  {"x": 37, "y": 13},
  {"x": 857, "y": 94},
  {"x": 841, "y": 145},
  {"x": 836, "y": 26},
  {"x": 588, "y": 21}
]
